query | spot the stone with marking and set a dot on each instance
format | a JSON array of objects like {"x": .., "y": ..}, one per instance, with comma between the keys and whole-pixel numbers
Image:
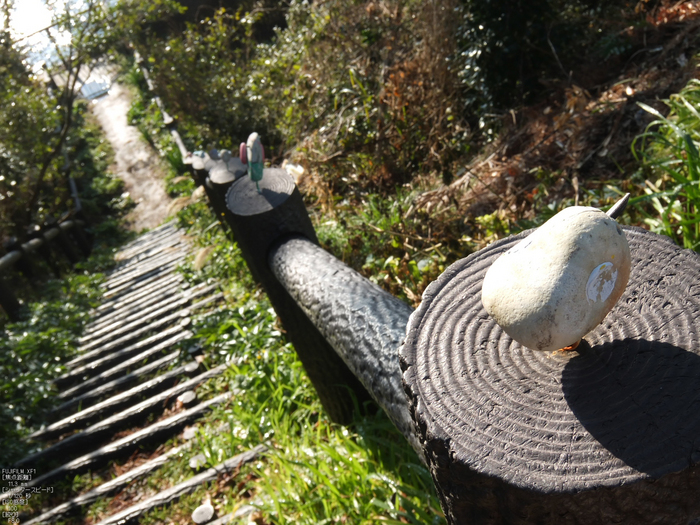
[{"x": 560, "y": 282}]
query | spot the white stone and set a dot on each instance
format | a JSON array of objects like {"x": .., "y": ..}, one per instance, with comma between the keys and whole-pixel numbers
[
  {"x": 203, "y": 514},
  {"x": 560, "y": 282}
]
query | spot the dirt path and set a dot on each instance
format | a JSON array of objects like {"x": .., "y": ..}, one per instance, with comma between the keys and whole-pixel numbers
[{"x": 136, "y": 162}]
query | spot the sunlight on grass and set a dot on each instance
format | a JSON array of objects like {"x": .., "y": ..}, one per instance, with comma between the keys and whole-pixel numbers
[
  {"x": 669, "y": 156},
  {"x": 314, "y": 471}
]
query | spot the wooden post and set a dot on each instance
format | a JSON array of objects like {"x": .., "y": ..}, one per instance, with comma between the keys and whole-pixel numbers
[
  {"x": 74, "y": 229},
  {"x": 64, "y": 243},
  {"x": 259, "y": 220},
  {"x": 24, "y": 263},
  {"x": 216, "y": 184},
  {"x": 8, "y": 301},
  {"x": 607, "y": 433},
  {"x": 44, "y": 249}
]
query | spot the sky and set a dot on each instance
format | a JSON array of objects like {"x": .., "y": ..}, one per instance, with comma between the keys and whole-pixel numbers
[{"x": 30, "y": 16}]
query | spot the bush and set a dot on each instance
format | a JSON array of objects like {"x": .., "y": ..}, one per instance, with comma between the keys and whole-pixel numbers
[{"x": 510, "y": 48}]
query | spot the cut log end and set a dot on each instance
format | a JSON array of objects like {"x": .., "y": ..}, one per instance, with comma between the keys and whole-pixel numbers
[
  {"x": 544, "y": 427},
  {"x": 243, "y": 198}
]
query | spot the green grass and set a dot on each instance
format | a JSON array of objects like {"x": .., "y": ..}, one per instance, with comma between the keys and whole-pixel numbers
[
  {"x": 314, "y": 470},
  {"x": 668, "y": 154},
  {"x": 35, "y": 348}
]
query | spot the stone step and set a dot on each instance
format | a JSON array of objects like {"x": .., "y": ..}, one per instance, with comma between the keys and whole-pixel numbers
[
  {"x": 160, "y": 430},
  {"x": 117, "y": 422},
  {"x": 133, "y": 513}
]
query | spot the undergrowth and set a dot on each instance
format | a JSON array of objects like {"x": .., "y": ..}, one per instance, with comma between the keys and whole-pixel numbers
[
  {"x": 668, "y": 154},
  {"x": 35, "y": 348}
]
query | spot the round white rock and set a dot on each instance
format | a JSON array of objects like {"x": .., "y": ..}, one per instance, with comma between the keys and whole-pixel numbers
[{"x": 558, "y": 284}]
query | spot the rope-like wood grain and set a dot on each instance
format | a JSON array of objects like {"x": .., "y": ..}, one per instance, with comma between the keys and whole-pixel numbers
[{"x": 624, "y": 407}]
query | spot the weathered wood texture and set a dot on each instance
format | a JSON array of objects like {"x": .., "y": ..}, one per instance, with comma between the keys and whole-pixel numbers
[
  {"x": 150, "y": 323},
  {"x": 166, "y": 257},
  {"x": 145, "y": 243},
  {"x": 87, "y": 379},
  {"x": 148, "y": 272},
  {"x": 88, "y": 398},
  {"x": 20, "y": 257},
  {"x": 113, "y": 306},
  {"x": 145, "y": 314},
  {"x": 363, "y": 323},
  {"x": 106, "y": 489},
  {"x": 604, "y": 434},
  {"x": 118, "y": 315},
  {"x": 98, "y": 364},
  {"x": 109, "y": 406},
  {"x": 258, "y": 220}
]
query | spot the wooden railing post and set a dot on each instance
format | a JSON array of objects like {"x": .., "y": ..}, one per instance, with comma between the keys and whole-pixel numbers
[
  {"x": 77, "y": 234},
  {"x": 64, "y": 243},
  {"x": 8, "y": 301},
  {"x": 44, "y": 249},
  {"x": 24, "y": 263},
  {"x": 258, "y": 221},
  {"x": 217, "y": 179},
  {"x": 606, "y": 433}
]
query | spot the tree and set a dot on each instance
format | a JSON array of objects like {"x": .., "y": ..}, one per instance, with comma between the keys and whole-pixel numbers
[{"x": 37, "y": 132}]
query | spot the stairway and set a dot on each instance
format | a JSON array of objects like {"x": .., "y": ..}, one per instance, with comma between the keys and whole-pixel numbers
[{"x": 130, "y": 386}]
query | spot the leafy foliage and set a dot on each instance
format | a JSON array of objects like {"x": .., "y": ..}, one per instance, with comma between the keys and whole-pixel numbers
[
  {"x": 384, "y": 95},
  {"x": 34, "y": 350}
]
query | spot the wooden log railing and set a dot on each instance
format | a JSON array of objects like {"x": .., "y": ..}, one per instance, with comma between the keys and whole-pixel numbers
[
  {"x": 67, "y": 237},
  {"x": 345, "y": 329},
  {"x": 604, "y": 434}
]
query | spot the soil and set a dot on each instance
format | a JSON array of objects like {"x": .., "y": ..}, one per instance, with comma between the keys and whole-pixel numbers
[
  {"x": 136, "y": 163},
  {"x": 579, "y": 137}
]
